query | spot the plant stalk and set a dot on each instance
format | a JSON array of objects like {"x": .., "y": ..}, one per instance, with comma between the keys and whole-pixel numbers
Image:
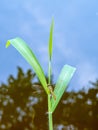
[
  {"x": 49, "y": 99},
  {"x": 50, "y": 113},
  {"x": 49, "y": 73}
]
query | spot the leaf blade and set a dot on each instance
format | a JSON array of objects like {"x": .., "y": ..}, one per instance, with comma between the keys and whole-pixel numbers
[
  {"x": 29, "y": 56},
  {"x": 50, "y": 44},
  {"x": 62, "y": 82}
]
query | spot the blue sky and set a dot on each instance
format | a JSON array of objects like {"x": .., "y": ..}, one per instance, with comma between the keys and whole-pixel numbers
[{"x": 75, "y": 36}]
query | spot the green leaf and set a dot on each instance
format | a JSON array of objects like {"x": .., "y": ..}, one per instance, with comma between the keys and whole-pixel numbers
[
  {"x": 27, "y": 53},
  {"x": 50, "y": 46},
  {"x": 62, "y": 83}
]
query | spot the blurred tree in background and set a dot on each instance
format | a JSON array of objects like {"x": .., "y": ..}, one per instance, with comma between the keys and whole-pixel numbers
[
  {"x": 23, "y": 106},
  {"x": 16, "y": 101}
]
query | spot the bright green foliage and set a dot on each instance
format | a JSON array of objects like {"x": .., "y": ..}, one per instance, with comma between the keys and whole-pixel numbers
[
  {"x": 50, "y": 48},
  {"x": 62, "y": 82},
  {"x": 50, "y": 44},
  {"x": 27, "y": 53}
]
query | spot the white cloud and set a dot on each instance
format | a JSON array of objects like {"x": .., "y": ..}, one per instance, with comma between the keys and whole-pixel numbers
[
  {"x": 38, "y": 13},
  {"x": 62, "y": 50},
  {"x": 85, "y": 73},
  {"x": 40, "y": 18},
  {"x": 26, "y": 29},
  {"x": 43, "y": 52}
]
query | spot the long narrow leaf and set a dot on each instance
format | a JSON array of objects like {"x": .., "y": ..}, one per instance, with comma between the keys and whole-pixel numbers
[
  {"x": 50, "y": 46},
  {"x": 27, "y": 53},
  {"x": 62, "y": 83}
]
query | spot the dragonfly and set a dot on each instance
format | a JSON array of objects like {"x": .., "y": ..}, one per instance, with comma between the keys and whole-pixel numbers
[{"x": 38, "y": 90}]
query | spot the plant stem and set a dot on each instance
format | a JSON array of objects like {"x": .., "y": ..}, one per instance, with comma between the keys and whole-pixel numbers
[
  {"x": 49, "y": 73},
  {"x": 49, "y": 99},
  {"x": 50, "y": 113}
]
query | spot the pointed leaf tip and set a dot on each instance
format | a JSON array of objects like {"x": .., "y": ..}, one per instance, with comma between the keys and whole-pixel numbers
[
  {"x": 50, "y": 45},
  {"x": 7, "y": 44},
  {"x": 22, "y": 47}
]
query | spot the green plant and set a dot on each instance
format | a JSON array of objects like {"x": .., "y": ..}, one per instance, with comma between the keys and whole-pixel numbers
[{"x": 64, "y": 77}]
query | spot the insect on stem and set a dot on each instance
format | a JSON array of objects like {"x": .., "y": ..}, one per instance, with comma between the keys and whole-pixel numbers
[{"x": 51, "y": 91}]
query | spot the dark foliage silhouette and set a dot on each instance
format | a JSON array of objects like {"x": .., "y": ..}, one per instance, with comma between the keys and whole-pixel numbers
[{"x": 23, "y": 106}]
